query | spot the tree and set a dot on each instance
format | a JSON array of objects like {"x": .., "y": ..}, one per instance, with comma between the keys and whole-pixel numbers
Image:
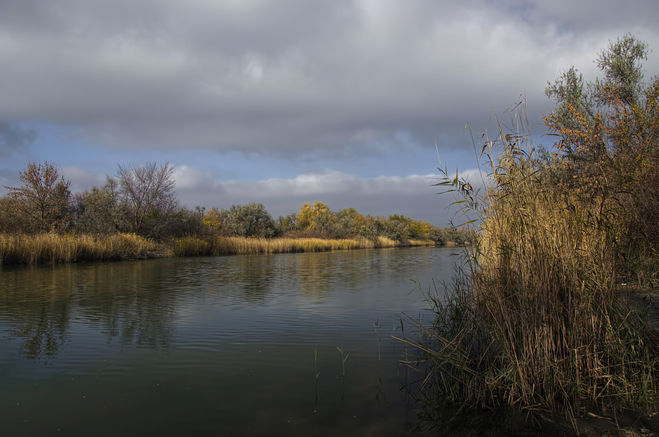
[
  {"x": 43, "y": 201},
  {"x": 608, "y": 148},
  {"x": 348, "y": 222},
  {"x": 397, "y": 227},
  {"x": 10, "y": 219},
  {"x": 317, "y": 218},
  {"x": 214, "y": 221},
  {"x": 148, "y": 195},
  {"x": 421, "y": 229},
  {"x": 98, "y": 211},
  {"x": 251, "y": 220},
  {"x": 187, "y": 222},
  {"x": 286, "y": 224}
]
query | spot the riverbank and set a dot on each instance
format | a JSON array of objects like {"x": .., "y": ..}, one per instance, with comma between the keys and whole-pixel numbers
[{"x": 50, "y": 248}]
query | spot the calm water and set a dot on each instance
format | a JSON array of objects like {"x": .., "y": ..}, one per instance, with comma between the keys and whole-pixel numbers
[{"x": 243, "y": 345}]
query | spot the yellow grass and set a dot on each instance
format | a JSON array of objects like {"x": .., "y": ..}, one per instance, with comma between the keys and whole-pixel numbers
[
  {"x": 193, "y": 246},
  {"x": 535, "y": 323},
  {"x": 55, "y": 248},
  {"x": 68, "y": 248}
]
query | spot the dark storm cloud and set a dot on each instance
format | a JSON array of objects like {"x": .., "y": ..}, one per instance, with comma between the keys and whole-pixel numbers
[{"x": 292, "y": 77}]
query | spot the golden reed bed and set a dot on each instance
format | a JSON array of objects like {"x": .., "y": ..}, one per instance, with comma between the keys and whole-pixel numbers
[{"x": 69, "y": 248}]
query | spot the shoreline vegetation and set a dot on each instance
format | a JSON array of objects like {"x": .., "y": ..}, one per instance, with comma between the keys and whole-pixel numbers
[
  {"x": 136, "y": 216},
  {"x": 533, "y": 322},
  {"x": 52, "y": 248}
]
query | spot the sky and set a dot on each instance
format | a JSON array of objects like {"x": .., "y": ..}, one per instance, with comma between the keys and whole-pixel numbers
[{"x": 289, "y": 101}]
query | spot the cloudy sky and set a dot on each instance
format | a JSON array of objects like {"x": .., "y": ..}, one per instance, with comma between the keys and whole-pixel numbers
[{"x": 282, "y": 102}]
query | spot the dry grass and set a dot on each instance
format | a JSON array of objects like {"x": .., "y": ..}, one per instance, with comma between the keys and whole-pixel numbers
[
  {"x": 55, "y": 248},
  {"x": 193, "y": 246},
  {"x": 534, "y": 323}
]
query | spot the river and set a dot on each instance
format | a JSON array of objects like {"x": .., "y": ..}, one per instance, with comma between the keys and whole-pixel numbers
[{"x": 292, "y": 344}]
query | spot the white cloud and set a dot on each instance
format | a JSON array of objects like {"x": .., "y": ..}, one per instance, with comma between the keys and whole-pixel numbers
[
  {"x": 412, "y": 195},
  {"x": 82, "y": 179},
  {"x": 193, "y": 179}
]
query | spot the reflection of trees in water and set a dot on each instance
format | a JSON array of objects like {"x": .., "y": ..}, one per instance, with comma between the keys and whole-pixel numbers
[
  {"x": 43, "y": 326},
  {"x": 37, "y": 312},
  {"x": 311, "y": 274},
  {"x": 316, "y": 274},
  {"x": 129, "y": 300},
  {"x": 255, "y": 276},
  {"x": 135, "y": 302}
]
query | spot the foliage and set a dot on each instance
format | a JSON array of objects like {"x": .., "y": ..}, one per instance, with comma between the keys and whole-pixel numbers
[
  {"x": 186, "y": 222},
  {"x": 534, "y": 322},
  {"x": 608, "y": 151},
  {"x": 398, "y": 227},
  {"x": 42, "y": 202},
  {"x": 214, "y": 221},
  {"x": 251, "y": 220},
  {"x": 286, "y": 224},
  {"x": 318, "y": 218},
  {"x": 348, "y": 222},
  {"x": 98, "y": 211},
  {"x": 142, "y": 201}
]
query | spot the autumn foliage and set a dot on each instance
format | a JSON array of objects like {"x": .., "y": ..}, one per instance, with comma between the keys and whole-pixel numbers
[{"x": 535, "y": 322}]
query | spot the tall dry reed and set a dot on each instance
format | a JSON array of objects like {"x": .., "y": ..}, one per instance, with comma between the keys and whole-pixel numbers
[
  {"x": 194, "y": 246},
  {"x": 533, "y": 322},
  {"x": 56, "y": 248}
]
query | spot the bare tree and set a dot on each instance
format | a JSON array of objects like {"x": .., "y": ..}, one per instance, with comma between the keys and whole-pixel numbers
[
  {"x": 43, "y": 202},
  {"x": 148, "y": 195}
]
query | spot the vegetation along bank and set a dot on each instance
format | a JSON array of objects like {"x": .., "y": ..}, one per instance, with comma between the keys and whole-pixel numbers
[
  {"x": 136, "y": 216},
  {"x": 535, "y": 323}
]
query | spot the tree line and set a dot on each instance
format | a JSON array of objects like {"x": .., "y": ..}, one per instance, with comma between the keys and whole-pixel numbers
[{"x": 142, "y": 200}]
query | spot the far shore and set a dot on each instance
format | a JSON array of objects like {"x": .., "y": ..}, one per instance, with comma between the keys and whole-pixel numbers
[{"x": 51, "y": 248}]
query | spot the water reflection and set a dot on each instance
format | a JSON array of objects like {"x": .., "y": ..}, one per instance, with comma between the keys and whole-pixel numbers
[
  {"x": 124, "y": 300},
  {"x": 143, "y": 303},
  {"x": 230, "y": 343}
]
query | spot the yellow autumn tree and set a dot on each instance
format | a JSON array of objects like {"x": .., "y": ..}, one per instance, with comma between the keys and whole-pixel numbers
[
  {"x": 316, "y": 218},
  {"x": 212, "y": 219}
]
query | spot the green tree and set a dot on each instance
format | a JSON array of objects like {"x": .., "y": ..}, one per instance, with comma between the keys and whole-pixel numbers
[
  {"x": 251, "y": 220},
  {"x": 397, "y": 227},
  {"x": 348, "y": 222},
  {"x": 286, "y": 224}
]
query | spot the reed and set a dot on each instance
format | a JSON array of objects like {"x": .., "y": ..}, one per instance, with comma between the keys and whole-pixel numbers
[
  {"x": 247, "y": 246},
  {"x": 532, "y": 321},
  {"x": 190, "y": 246},
  {"x": 68, "y": 248}
]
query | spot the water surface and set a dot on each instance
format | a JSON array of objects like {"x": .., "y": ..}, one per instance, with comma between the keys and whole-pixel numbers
[{"x": 241, "y": 345}]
